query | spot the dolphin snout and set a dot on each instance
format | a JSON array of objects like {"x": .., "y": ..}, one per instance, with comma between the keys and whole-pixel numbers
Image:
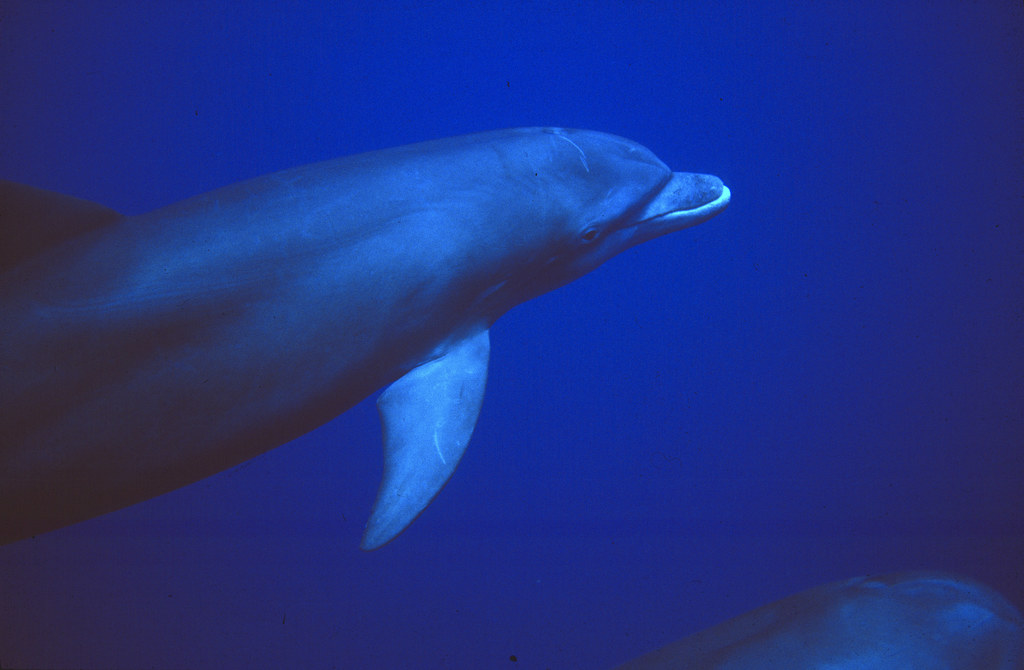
[
  {"x": 687, "y": 199},
  {"x": 691, "y": 190}
]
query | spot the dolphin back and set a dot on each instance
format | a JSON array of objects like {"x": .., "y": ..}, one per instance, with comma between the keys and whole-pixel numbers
[{"x": 33, "y": 219}]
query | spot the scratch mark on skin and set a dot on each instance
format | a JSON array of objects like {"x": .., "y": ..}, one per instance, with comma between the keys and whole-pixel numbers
[
  {"x": 437, "y": 447},
  {"x": 583, "y": 156}
]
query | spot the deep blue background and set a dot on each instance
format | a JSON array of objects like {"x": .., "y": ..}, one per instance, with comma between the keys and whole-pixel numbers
[{"x": 826, "y": 380}]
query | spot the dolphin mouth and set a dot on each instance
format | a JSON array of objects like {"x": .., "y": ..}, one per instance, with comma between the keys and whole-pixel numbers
[{"x": 688, "y": 199}]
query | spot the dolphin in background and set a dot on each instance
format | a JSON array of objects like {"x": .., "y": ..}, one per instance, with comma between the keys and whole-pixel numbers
[
  {"x": 902, "y": 621},
  {"x": 139, "y": 354}
]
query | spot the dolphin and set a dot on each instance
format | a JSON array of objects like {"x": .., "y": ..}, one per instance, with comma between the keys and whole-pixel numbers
[
  {"x": 139, "y": 354},
  {"x": 885, "y": 622}
]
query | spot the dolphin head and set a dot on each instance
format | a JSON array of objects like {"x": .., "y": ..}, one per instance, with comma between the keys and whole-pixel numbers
[
  {"x": 626, "y": 195},
  {"x": 597, "y": 195}
]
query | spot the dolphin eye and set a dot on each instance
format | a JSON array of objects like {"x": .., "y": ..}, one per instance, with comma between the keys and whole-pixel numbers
[{"x": 589, "y": 234}]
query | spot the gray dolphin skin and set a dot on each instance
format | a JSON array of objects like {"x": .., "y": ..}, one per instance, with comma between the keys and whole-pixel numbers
[
  {"x": 139, "y": 354},
  {"x": 901, "y": 621}
]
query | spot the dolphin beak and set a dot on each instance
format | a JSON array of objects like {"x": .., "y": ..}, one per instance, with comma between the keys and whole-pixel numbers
[{"x": 686, "y": 200}]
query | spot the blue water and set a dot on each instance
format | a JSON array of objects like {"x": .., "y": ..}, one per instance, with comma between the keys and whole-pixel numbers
[{"x": 824, "y": 381}]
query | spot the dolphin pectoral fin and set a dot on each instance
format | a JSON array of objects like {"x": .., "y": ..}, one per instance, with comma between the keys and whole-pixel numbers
[{"x": 428, "y": 416}]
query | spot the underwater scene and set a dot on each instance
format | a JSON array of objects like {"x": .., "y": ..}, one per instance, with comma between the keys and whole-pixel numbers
[{"x": 517, "y": 335}]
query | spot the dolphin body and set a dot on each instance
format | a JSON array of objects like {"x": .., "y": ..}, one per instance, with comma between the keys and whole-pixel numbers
[
  {"x": 139, "y": 354},
  {"x": 900, "y": 621}
]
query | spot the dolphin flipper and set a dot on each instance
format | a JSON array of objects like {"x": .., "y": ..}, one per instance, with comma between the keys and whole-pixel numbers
[{"x": 428, "y": 416}]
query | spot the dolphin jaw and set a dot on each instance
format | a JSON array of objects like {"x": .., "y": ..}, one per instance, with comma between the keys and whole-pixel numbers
[
  {"x": 699, "y": 213},
  {"x": 668, "y": 212}
]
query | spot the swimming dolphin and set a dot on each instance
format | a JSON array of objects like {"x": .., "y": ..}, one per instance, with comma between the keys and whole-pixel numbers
[
  {"x": 899, "y": 621},
  {"x": 139, "y": 354}
]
